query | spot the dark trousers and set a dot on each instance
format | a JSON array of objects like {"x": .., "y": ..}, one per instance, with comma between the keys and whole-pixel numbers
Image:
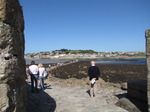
[{"x": 34, "y": 80}]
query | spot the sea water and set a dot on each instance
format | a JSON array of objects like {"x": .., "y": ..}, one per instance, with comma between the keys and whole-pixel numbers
[
  {"x": 44, "y": 61},
  {"x": 133, "y": 61}
]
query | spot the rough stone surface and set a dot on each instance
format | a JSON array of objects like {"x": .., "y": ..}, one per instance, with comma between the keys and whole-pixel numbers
[
  {"x": 12, "y": 63},
  {"x": 124, "y": 86},
  {"x": 126, "y": 104},
  {"x": 56, "y": 98},
  {"x": 147, "y": 35}
]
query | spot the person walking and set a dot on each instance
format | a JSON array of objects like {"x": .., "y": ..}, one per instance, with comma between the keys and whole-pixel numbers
[
  {"x": 94, "y": 74},
  {"x": 41, "y": 75},
  {"x": 33, "y": 71}
]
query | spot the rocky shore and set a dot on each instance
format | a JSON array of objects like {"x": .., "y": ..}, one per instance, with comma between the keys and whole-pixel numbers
[
  {"x": 67, "y": 88},
  {"x": 64, "y": 98},
  {"x": 109, "y": 73}
]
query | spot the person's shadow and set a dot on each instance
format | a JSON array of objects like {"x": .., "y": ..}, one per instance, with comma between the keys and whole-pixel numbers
[
  {"x": 39, "y": 102},
  {"x": 88, "y": 92}
]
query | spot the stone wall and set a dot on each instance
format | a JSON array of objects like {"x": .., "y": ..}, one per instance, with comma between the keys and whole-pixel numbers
[
  {"x": 147, "y": 35},
  {"x": 12, "y": 63}
]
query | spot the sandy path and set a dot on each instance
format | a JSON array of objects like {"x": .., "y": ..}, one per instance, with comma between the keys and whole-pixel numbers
[{"x": 77, "y": 99}]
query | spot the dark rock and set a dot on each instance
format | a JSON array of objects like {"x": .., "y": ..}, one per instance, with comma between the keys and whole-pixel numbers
[{"x": 138, "y": 90}]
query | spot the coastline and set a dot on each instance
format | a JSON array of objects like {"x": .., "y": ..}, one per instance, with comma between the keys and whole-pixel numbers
[
  {"x": 68, "y": 58},
  {"x": 110, "y": 73},
  {"x": 71, "y": 81},
  {"x": 62, "y": 60}
]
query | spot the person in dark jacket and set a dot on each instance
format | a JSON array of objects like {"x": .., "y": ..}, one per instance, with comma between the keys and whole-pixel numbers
[{"x": 94, "y": 74}]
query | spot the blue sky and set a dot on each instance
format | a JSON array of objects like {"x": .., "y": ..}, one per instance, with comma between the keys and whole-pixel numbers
[{"x": 101, "y": 25}]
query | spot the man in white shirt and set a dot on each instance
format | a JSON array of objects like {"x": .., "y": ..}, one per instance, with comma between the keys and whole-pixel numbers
[{"x": 33, "y": 71}]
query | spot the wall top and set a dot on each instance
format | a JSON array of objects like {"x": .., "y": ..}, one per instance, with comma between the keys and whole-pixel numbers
[{"x": 147, "y": 33}]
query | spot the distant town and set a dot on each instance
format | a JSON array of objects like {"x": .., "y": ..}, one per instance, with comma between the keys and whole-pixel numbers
[{"x": 74, "y": 54}]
